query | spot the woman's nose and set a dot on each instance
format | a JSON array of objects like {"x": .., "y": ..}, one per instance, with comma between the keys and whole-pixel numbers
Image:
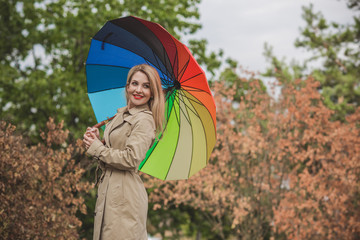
[{"x": 138, "y": 89}]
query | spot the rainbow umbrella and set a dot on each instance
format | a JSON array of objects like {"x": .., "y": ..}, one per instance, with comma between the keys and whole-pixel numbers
[{"x": 190, "y": 131}]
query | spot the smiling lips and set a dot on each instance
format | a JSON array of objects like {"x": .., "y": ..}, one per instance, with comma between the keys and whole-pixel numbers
[{"x": 137, "y": 97}]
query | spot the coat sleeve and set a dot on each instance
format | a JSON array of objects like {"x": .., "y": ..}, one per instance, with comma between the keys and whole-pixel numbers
[{"x": 137, "y": 144}]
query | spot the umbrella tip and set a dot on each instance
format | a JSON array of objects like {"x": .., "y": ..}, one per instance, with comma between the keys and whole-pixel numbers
[{"x": 177, "y": 85}]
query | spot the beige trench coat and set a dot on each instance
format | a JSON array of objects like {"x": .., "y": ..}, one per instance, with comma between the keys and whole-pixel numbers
[{"x": 122, "y": 201}]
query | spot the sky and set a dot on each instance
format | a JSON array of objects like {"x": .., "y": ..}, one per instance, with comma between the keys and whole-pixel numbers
[{"x": 241, "y": 27}]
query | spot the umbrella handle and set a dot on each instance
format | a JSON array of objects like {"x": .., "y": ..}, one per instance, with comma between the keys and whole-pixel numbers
[{"x": 100, "y": 124}]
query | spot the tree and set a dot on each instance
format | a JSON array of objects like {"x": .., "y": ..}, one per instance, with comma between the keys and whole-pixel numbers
[
  {"x": 335, "y": 47},
  {"x": 41, "y": 187}
]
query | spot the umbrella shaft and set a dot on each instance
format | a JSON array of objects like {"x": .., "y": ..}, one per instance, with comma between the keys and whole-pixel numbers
[{"x": 100, "y": 124}]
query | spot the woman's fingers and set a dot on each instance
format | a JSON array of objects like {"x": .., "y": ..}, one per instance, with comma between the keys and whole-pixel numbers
[
  {"x": 90, "y": 129},
  {"x": 90, "y": 135},
  {"x": 95, "y": 131},
  {"x": 89, "y": 138},
  {"x": 94, "y": 135}
]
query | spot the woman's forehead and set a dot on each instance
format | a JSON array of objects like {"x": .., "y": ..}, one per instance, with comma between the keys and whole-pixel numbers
[{"x": 140, "y": 76}]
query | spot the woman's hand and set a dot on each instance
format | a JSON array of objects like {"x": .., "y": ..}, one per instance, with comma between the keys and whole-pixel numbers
[
  {"x": 90, "y": 135},
  {"x": 93, "y": 130}
]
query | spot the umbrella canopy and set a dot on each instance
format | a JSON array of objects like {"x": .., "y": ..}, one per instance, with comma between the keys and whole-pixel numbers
[{"x": 190, "y": 131}]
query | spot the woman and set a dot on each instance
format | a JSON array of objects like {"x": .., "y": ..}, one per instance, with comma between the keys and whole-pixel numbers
[{"x": 122, "y": 203}]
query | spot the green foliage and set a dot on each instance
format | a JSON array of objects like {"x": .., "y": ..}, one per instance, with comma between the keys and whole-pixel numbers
[
  {"x": 211, "y": 61},
  {"x": 336, "y": 48},
  {"x": 232, "y": 78},
  {"x": 177, "y": 222},
  {"x": 284, "y": 73},
  {"x": 168, "y": 222}
]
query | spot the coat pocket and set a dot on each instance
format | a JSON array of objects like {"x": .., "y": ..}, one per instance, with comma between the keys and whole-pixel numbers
[{"x": 118, "y": 193}]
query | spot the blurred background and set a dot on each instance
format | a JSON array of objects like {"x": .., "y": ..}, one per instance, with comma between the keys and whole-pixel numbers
[{"x": 286, "y": 81}]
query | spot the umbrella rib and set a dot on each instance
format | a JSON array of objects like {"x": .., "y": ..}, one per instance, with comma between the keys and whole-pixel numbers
[
  {"x": 172, "y": 73},
  {"x": 178, "y": 102},
  {"x": 177, "y": 119},
  {"x": 177, "y": 145},
  {"x": 205, "y": 133},
  {"x": 167, "y": 98},
  {"x": 195, "y": 113},
  {"x": 168, "y": 95},
  {"x": 198, "y": 102},
  {"x": 154, "y": 54},
  {"x": 167, "y": 82},
  {"x": 184, "y": 68},
  {"x": 156, "y": 142},
  {"x": 191, "y": 78},
  {"x": 194, "y": 89},
  {"x": 176, "y": 65},
  {"x": 106, "y": 89},
  {"x": 165, "y": 53},
  {"x": 192, "y": 134},
  {"x": 147, "y": 60},
  {"x": 106, "y": 65},
  {"x": 176, "y": 60},
  {"x": 185, "y": 115},
  {"x": 158, "y": 64},
  {"x": 146, "y": 43},
  {"x": 166, "y": 123}
]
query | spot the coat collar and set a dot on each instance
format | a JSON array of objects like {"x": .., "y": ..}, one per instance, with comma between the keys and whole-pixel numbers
[
  {"x": 134, "y": 110},
  {"x": 119, "y": 118}
]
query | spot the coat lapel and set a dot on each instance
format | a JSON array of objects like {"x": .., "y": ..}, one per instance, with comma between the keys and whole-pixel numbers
[{"x": 119, "y": 119}]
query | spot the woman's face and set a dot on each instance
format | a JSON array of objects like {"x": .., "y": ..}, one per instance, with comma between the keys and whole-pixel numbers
[{"x": 138, "y": 90}]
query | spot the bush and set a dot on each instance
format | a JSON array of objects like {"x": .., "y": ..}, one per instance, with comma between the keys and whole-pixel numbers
[{"x": 40, "y": 187}]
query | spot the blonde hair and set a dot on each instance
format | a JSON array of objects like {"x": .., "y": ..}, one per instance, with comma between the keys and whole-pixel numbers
[{"x": 157, "y": 100}]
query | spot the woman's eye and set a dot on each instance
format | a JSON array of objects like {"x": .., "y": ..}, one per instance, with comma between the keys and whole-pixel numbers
[
  {"x": 146, "y": 86},
  {"x": 134, "y": 83}
]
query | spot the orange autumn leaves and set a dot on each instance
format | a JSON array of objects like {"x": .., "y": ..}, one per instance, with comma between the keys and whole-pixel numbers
[
  {"x": 40, "y": 186},
  {"x": 323, "y": 198},
  {"x": 280, "y": 169}
]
